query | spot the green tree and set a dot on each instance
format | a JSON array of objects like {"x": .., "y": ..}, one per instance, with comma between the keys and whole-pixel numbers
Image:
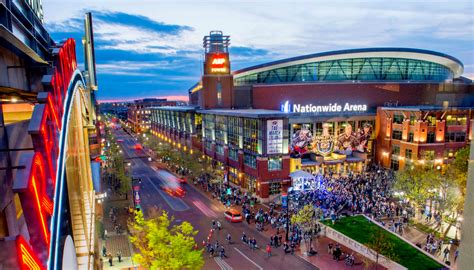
[
  {"x": 379, "y": 244},
  {"x": 306, "y": 219},
  {"x": 164, "y": 246},
  {"x": 417, "y": 183}
]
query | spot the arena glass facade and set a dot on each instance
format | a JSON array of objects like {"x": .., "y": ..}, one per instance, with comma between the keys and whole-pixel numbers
[{"x": 339, "y": 133}]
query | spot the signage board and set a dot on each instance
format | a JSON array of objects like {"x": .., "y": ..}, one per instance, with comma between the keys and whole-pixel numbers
[
  {"x": 274, "y": 136},
  {"x": 217, "y": 63},
  {"x": 287, "y": 107}
]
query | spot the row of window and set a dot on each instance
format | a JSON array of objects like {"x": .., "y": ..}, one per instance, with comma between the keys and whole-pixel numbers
[
  {"x": 431, "y": 136},
  {"x": 451, "y": 120}
]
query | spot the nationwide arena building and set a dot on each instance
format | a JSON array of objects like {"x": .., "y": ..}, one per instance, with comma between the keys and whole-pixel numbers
[{"x": 330, "y": 112}]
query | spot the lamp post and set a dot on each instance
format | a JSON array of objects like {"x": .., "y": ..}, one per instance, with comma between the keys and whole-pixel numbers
[{"x": 285, "y": 201}]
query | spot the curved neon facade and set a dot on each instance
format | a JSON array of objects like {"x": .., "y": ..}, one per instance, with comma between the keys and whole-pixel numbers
[{"x": 374, "y": 64}]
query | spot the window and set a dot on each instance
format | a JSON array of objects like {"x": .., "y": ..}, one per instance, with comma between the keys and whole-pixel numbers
[
  {"x": 274, "y": 188},
  {"x": 427, "y": 155},
  {"x": 408, "y": 153},
  {"x": 250, "y": 160},
  {"x": 219, "y": 93},
  {"x": 431, "y": 120},
  {"x": 410, "y": 137},
  {"x": 395, "y": 150},
  {"x": 394, "y": 165},
  {"x": 456, "y": 120},
  {"x": 252, "y": 135},
  {"x": 234, "y": 154},
  {"x": 398, "y": 119},
  {"x": 431, "y": 137},
  {"x": 412, "y": 119},
  {"x": 397, "y": 135},
  {"x": 219, "y": 149},
  {"x": 274, "y": 164},
  {"x": 455, "y": 137},
  {"x": 208, "y": 145}
]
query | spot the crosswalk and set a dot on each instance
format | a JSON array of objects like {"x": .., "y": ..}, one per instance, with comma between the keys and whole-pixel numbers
[{"x": 222, "y": 264}]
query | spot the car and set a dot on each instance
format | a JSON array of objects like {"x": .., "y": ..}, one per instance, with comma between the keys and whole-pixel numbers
[
  {"x": 119, "y": 140},
  {"x": 174, "y": 191},
  {"x": 182, "y": 180},
  {"x": 233, "y": 216}
]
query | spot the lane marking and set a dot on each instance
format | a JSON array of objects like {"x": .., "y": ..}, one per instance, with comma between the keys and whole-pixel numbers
[
  {"x": 204, "y": 209},
  {"x": 222, "y": 264},
  {"x": 245, "y": 256}
]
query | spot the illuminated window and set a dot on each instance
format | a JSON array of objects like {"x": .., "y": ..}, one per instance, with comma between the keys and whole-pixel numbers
[
  {"x": 274, "y": 164},
  {"x": 250, "y": 160},
  {"x": 219, "y": 93}
]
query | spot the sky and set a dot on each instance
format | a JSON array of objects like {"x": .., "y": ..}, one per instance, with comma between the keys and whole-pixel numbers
[{"x": 154, "y": 48}]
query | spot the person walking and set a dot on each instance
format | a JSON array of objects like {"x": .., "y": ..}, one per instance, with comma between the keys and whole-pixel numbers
[
  {"x": 119, "y": 256},
  {"x": 269, "y": 251},
  {"x": 446, "y": 253},
  {"x": 110, "y": 260}
]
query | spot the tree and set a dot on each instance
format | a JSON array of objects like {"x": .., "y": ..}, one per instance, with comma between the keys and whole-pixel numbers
[
  {"x": 307, "y": 219},
  {"x": 162, "y": 245},
  {"x": 379, "y": 244},
  {"x": 417, "y": 183}
]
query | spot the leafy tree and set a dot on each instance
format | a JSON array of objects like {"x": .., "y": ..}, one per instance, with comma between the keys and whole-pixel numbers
[
  {"x": 379, "y": 244},
  {"x": 417, "y": 183},
  {"x": 164, "y": 246},
  {"x": 306, "y": 219}
]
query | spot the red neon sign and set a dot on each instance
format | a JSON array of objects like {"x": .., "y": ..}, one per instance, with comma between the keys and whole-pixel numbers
[
  {"x": 27, "y": 259},
  {"x": 219, "y": 63},
  {"x": 38, "y": 193}
]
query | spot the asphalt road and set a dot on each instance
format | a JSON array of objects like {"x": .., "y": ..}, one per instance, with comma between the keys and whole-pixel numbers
[{"x": 199, "y": 210}]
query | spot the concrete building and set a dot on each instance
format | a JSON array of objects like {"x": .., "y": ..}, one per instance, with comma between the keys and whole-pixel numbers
[{"x": 138, "y": 112}]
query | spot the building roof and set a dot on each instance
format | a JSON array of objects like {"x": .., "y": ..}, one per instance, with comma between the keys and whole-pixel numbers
[
  {"x": 250, "y": 113},
  {"x": 425, "y": 108},
  {"x": 454, "y": 64},
  {"x": 176, "y": 108}
]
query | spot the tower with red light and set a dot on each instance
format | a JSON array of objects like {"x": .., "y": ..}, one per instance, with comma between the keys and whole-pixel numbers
[{"x": 217, "y": 81}]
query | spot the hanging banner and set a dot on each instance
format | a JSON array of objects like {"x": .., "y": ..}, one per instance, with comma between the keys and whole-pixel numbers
[{"x": 274, "y": 136}]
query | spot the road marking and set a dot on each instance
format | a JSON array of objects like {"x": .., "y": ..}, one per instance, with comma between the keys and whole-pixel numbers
[
  {"x": 165, "y": 197},
  {"x": 222, "y": 264},
  {"x": 245, "y": 256},
  {"x": 204, "y": 209}
]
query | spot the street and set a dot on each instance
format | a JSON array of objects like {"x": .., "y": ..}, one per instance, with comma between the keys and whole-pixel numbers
[{"x": 199, "y": 210}]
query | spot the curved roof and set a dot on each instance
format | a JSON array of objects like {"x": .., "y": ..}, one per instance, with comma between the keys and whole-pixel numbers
[{"x": 448, "y": 61}]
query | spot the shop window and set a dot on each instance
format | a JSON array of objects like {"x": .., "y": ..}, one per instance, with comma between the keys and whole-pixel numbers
[
  {"x": 250, "y": 160},
  {"x": 274, "y": 164},
  {"x": 397, "y": 135},
  {"x": 274, "y": 188}
]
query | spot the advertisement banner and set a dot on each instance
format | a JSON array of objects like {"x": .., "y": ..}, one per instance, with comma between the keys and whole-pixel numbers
[{"x": 274, "y": 136}]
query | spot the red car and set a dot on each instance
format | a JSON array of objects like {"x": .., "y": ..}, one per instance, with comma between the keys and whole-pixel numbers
[
  {"x": 233, "y": 216},
  {"x": 182, "y": 180},
  {"x": 175, "y": 192}
]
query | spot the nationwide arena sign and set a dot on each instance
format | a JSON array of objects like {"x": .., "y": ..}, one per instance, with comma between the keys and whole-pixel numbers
[{"x": 330, "y": 108}]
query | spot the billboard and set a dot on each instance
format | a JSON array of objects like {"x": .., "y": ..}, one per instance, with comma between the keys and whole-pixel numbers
[
  {"x": 274, "y": 137},
  {"x": 303, "y": 141}
]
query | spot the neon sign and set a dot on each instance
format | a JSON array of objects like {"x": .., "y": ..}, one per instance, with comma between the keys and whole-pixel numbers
[
  {"x": 38, "y": 187},
  {"x": 27, "y": 259},
  {"x": 219, "y": 64},
  {"x": 330, "y": 108}
]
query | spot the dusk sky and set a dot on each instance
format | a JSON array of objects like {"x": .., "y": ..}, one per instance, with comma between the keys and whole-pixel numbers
[{"x": 154, "y": 48}]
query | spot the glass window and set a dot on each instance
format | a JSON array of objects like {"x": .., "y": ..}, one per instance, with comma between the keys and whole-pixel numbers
[
  {"x": 455, "y": 137},
  {"x": 431, "y": 137},
  {"x": 431, "y": 119},
  {"x": 408, "y": 153},
  {"x": 274, "y": 164},
  {"x": 252, "y": 135},
  {"x": 234, "y": 154},
  {"x": 398, "y": 119},
  {"x": 452, "y": 120},
  {"x": 412, "y": 119},
  {"x": 397, "y": 134},
  {"x": 274, "y": 188},
  {"x": 410, "y": 137},
  {"x": 220, "y": 149},
  {"x": 219, "y": 93},
  {"x": 250, "y": 160},
  {"x": 395, "y": 150}
]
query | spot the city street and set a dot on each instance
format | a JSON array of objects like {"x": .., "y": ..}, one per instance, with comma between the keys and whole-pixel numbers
[{"x": 200, "y": 211}]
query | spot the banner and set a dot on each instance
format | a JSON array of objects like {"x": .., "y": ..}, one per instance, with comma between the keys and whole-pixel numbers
[{"x": 274, "y": 136}]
